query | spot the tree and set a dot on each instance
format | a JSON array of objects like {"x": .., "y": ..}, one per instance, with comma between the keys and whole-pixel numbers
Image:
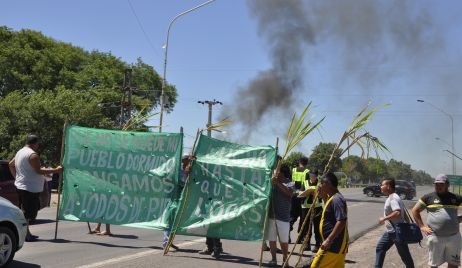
[
  {"x": 355, "y": 167},
  {"x": 293, "y": 159},
  {"x": 376, "y": 170},
  {"x": 399, "y": 171},
  {"x": 320, "y": 157},
  {"x": 43, "y": 81}
]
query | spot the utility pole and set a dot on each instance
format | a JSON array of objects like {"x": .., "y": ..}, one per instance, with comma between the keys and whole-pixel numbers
[
  {"x": 126, "y": 104},
  {"x": 210, "y": 104}
]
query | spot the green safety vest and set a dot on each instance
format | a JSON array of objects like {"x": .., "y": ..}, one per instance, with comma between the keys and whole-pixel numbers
[
  {"x": 305, "y": 203},
  {"x": 299, "y": 176}
]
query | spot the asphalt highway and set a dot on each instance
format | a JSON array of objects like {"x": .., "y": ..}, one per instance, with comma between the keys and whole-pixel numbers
[{"x": 132, "y": 247}]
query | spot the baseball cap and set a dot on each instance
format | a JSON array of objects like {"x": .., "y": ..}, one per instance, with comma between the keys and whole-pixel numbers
[{"x": 441, "y": 178}]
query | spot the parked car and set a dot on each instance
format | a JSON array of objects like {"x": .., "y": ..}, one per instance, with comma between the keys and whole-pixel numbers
[
  {"x": 404, "y": 189},
  {"x": 13, "y": 230},
  {"x": 9, "y": 191}
]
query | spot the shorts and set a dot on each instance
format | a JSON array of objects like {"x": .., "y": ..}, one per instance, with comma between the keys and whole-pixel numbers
[
  {"x": 30, "y": 203},
  {"x": 282, "y": 230},
  {"x": 326, "y": 259},
  {"x": 443, "y": 249}
]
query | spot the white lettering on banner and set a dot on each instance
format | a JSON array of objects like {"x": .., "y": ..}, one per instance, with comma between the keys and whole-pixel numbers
[
  {"x": 219, "y": 211},
  {"x": 136, "y": 183},
  {"x": 122, "y": 161},
  {"x": 123, "y": 208},
  {"x": 205, "y": 187},
  {"x": 172, "y": 144},
  {"x": 125, "y": 141},
  {"x": 114, "y": 207}
]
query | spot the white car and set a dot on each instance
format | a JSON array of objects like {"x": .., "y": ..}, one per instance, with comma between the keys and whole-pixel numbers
[{"x": 13, "y": 230}]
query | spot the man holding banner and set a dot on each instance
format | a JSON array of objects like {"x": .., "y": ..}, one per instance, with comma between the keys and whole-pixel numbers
[
  {"x": 279, "y": 213},
  {"x": 29, "y": 180}
]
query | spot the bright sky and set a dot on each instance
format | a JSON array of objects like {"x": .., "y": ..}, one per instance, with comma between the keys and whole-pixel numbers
[{"x": 354, "y": 59}]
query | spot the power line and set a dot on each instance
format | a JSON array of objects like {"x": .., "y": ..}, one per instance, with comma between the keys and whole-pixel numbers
[{"x": 142, "y": 28}]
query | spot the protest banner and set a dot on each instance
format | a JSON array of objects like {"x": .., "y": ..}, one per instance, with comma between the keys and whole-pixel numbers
[
  {"x": 229, "y": 189},
  {"x": 121, "y": 177}
]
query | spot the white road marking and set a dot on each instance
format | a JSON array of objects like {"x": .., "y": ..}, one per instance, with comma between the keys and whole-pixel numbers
[
  {"x": 356, "y": 205},
  {"x": 137, "y": 255}
]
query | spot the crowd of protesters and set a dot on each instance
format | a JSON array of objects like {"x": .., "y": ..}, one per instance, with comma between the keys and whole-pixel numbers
[
  {"x": 305, "y": 195},
  {"x": 299, "y": 194}
]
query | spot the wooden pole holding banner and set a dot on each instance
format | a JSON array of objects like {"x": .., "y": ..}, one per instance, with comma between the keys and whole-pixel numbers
[
  {"x": 263, "y": 242},
  {"x": 186, "y": 195},
  {"x": 60, "y": 180}
]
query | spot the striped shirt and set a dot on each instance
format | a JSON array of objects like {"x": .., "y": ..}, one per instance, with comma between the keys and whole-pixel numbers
[
  {"x": 280, "y": 202},
  {"x": 442, "y": 212}
]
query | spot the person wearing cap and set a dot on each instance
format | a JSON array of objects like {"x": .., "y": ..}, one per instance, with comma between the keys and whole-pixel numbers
[
  {"x": 310, "y": 189},
  {"x": 442, "y": 226},
  {"x": 333, "y": 226}
]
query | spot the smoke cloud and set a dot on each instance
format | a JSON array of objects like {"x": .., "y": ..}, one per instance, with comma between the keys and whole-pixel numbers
[{"x": 371, "y": 43}]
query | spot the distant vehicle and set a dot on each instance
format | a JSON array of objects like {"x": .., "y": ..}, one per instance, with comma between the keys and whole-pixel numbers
[
  {"x": 13, "y": 230},
  {"x": 404, "y": 189},
  {"x": 9, "y": 191}
]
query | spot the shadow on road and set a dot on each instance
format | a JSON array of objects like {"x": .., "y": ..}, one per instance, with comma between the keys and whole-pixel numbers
[
  {"x": 225, "y": 257},
  {"x": 376, "y": 200},
  {"x": 63, "y": 241},
  {"x": 41, "y": 221},
  {"x": 21, "y": 264}
]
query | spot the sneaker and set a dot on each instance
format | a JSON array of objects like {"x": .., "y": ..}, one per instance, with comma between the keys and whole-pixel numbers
[
  {"x": 216, "y": 254},
  {"x": 272, "y": 263},
  {"x": 205, "y": 251}
]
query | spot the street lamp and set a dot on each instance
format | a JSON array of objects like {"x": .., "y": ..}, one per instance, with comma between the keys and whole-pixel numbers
[
  {"x": 452, "y": 132},
  {"x": 443, "y": 141},
  {"x": 162, "y": 95}
]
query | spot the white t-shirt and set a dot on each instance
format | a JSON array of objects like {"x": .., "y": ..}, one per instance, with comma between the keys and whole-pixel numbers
[
  {"x": 392, "y": 204},
  {"x": 26, "y": 177}
]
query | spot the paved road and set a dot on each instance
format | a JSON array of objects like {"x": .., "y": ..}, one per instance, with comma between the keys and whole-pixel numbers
[{"x": 131, "y": 247}]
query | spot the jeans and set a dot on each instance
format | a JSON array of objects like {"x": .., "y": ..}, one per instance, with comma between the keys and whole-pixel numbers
[
  {"x": 214, "y": 244},
  {"x": 314, "y": 225},
  {"x": 165, "y": 238},
  {"x": 386, "y": 241}
]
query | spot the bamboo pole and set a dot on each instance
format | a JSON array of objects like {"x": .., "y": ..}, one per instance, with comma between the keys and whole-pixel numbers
[
  {"x": 63, "y": 140},
  {"x": 267, "y": 212},
  {"x": 183, "y": 205}
]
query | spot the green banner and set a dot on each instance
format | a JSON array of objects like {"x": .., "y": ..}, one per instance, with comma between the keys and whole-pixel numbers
[
  {"x": 228, "y": 191},
  {"x": 121, "y": 177}
]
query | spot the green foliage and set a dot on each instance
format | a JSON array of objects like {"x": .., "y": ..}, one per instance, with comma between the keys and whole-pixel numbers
[
  {"x": 293, "y": 159},
  {"x": 357, "y": 135},
  {"x": 373, "y": 170},
  {"x": 399, "y": 170},
  {"x": 354, "y": 166},
  {"x": 43, "y": 81},
  {"x": 321, "y": 155},
  {"x": 299, "y": 128}
]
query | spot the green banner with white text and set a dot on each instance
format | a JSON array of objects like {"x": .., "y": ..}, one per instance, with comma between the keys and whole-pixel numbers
[
  {"x": 229, "y": 190},
  {"x": 121, "y": 177}
]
